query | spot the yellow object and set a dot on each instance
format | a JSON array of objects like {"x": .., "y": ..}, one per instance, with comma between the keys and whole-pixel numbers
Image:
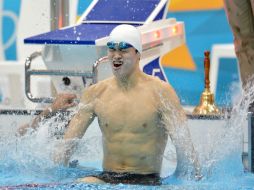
[
  {"x": 207, "y": 105},
  {"x": 179, "y": 58},
  {"x": 192, "y": 5}
]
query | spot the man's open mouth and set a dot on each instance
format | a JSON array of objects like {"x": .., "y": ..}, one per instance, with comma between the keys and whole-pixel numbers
[{"x": 117, "y": 64}]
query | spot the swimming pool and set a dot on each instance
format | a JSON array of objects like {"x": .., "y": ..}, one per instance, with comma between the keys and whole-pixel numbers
[{"x": 25, "y": 163}]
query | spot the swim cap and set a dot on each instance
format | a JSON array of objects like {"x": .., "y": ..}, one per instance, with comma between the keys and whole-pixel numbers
[{"x": 127, "y": 33}]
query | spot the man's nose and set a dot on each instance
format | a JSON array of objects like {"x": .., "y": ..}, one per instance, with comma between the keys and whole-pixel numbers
[{"x": 117, "y": 54}]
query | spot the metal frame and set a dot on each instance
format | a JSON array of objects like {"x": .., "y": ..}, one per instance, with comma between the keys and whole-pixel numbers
[{"x": 29, "y": 72}]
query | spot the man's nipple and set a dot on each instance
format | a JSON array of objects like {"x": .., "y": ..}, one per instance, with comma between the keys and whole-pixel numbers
[{"x": 144, "y": 125}]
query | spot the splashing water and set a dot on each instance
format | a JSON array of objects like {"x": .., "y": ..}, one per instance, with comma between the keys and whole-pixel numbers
[
  {"x": 221, "y": 157},
  {"x": 28, "y": 159},
  {"x": 226, "y": 147}
]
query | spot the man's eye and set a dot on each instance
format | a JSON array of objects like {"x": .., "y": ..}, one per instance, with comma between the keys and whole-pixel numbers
[
  {"x": 112, "y": 49},
  {"x": 123, "y": 50}
]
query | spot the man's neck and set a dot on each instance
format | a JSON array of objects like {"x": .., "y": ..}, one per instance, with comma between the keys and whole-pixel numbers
[{"x": 130, "y": 81}]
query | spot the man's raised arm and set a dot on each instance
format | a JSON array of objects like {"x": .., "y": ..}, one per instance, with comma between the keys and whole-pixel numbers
[
  {"x": 76, "y": 129},
  {"x": 62, "y": 102},
  {"x": 175, "y": 122}
]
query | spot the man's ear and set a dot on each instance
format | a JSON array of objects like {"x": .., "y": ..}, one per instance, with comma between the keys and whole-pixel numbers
[{"x": 139, "y": 55}]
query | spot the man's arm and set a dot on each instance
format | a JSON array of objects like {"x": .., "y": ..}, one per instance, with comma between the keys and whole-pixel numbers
[
  {"x": 175, "y": 122},
  {"x": 77, "y": 128},
  {"x": 62, "y": 102}
]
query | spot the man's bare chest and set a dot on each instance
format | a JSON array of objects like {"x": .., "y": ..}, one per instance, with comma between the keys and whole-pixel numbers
[{"x": 133, "y": 109}]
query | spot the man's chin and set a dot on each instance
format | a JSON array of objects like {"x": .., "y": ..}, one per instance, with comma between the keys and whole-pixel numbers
[{"x": 118, "y": 74}]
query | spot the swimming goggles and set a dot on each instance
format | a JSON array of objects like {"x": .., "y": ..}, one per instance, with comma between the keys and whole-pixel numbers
[{"x": 118, "y": 46}]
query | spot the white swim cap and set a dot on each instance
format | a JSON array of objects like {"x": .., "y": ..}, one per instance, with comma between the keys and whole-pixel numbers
[{"x": 127, "y": 33}]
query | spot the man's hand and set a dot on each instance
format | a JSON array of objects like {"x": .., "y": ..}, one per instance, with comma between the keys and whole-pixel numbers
[
  {"x": 63, "y": 151},
  {"x": 63, "y": 101}
]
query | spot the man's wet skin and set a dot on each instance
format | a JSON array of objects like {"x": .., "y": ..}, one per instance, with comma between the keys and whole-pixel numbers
[{"x": 131, "y": 109}]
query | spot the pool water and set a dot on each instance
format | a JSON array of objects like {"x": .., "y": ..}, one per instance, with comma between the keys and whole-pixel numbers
[
  {"x": 26, "y": 162},
  {"x": 13, "y": 177}
]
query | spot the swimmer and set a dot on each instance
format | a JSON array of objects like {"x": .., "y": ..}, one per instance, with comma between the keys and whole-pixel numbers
[{"x": 136, "y": 114}]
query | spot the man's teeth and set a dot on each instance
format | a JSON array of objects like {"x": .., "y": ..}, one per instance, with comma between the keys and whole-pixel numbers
[{"x": 117, "y": 64}]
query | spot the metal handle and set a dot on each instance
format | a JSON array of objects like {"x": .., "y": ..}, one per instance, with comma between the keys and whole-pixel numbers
[
  {"x": 207, "y": 69},
  {"x": 28, "y": 72},
  {"x": 95, "y": 68}
]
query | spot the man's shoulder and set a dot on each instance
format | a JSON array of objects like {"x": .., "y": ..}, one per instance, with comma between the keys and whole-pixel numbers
[
  {"x": 157, "y": 82},
  {"x": 100, "y": 85},
  {"x": 162, "y": 88},
  {"x": 96, "y": 90}
]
